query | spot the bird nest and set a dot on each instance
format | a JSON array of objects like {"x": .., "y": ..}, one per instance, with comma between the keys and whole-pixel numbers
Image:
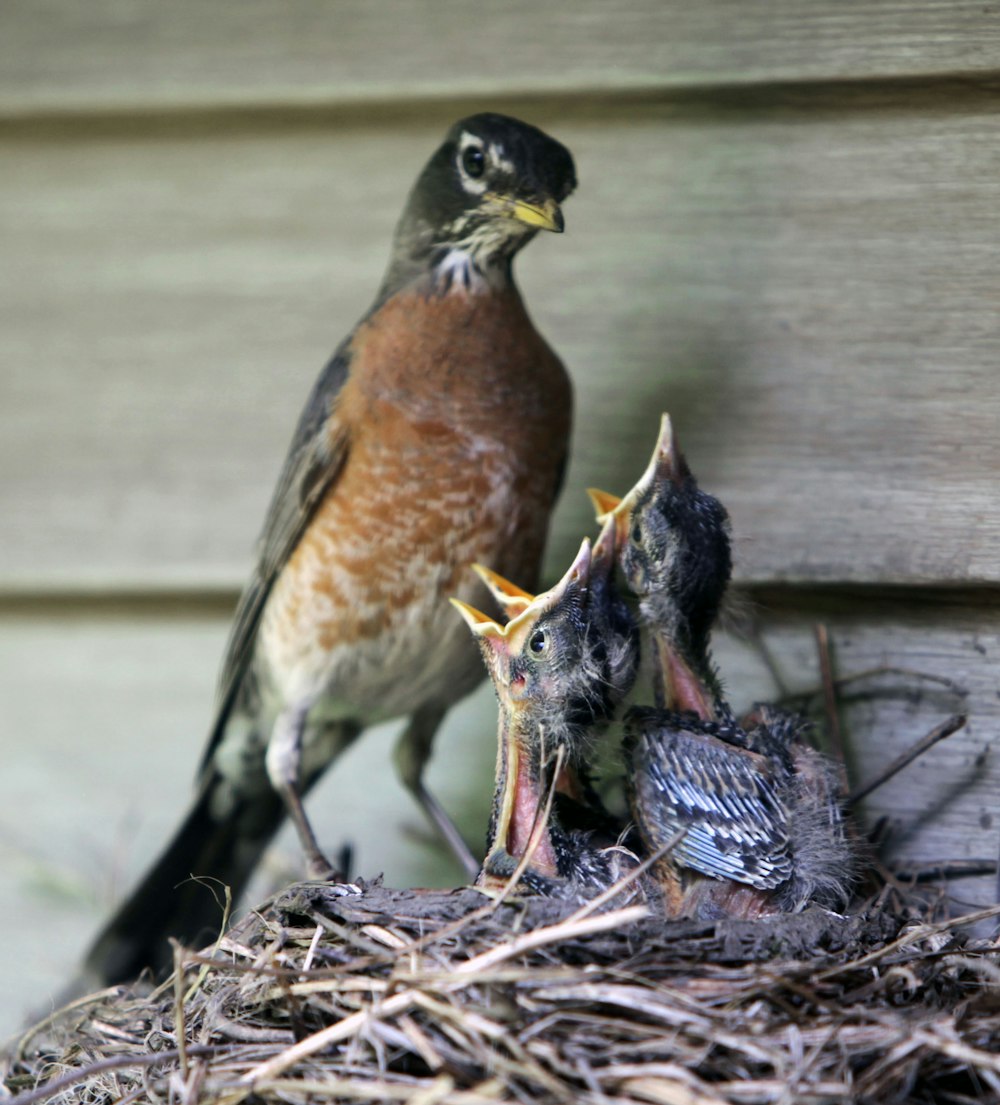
[{"x": 453, "y": 997}]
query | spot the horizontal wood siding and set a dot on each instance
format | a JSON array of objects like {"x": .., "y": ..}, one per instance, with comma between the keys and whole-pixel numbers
[
  {"x": 810, "y": 291},
  {"x": 58, "y": 55}
]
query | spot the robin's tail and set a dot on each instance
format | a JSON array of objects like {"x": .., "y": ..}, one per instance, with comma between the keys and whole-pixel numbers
[{"x": 184, "y": 893}]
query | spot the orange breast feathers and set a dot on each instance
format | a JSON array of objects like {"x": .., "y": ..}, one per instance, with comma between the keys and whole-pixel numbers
[
  {"x": 476, "y": 359},
  {"x": 454, "y": 451},
  {"x": 464, "y": 435}
]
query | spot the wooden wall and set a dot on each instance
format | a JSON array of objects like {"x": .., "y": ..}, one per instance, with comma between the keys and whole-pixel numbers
[{"x": 786, "y": 234}]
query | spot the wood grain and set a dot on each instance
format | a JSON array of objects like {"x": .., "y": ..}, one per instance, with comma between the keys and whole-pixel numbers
[
  {"x": 57, "y": 56},
  {"x": 806, "y": 282}
]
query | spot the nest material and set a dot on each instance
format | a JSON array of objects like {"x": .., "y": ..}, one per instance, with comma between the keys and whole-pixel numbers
[{"x": 449, "y": 997}]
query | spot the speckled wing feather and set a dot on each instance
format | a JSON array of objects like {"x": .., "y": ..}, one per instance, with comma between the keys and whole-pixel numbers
[
  {"x": 724, "y": 798},
  {"x": 314, "y": 460}
]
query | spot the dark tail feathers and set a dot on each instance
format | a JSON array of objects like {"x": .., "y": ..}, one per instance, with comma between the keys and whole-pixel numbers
[{"x": 183, "y": 895}]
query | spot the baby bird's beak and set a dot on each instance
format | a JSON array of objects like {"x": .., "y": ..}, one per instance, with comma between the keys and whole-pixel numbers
[{"x": 513, "y": 600}]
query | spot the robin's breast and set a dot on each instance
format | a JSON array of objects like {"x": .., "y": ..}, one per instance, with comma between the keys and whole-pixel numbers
[
  {"x": 360, "y": 613},
  {"x": 455, "y": 470}
]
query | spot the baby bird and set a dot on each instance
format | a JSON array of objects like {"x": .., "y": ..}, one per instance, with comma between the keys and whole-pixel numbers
[
  {"x": 722, "y": 806},
  {"x": 756, "y": 810},
  {"x": 558, "y": 674},
  {"x": 672, "y": 543},
  {"x": 511, "y": 599},
  {"x": 826, "y": 862},
  {"x": 614, "y": 633},
  {"x": 750, "y": 806},
  {"x": 612, "y": 614}
]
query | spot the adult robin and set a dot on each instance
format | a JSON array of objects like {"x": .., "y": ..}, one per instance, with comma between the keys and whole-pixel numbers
[
  {"x": 750, "y": 806},
  {"x": 436, "y": 435},
  {"x": 558, "y": 676}
]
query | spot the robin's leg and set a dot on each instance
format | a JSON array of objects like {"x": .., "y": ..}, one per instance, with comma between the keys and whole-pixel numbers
[
  {"x": 412, "y": 751},
  {"x": 285, "y": 770}
]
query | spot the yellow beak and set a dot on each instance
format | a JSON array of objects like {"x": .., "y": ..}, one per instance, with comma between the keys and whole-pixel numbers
[{"x": 544, "y": 216}]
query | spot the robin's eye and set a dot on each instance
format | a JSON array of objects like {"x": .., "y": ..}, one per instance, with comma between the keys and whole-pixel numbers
[
  {"x": 473, "y": 161},
  {"x": 538, "y": 643},
  {"x": 636, "y": 534}
]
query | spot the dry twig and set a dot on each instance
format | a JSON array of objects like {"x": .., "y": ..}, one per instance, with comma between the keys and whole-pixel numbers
[{"x": 462, "y": 1003}]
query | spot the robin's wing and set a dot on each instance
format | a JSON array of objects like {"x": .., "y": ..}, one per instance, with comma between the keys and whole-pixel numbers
[
  {"x": 721, "y": 797},
  {"x": 315, "y": 459}
]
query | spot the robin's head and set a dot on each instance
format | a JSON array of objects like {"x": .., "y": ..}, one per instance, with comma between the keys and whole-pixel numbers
[
  {"x": 487, "y": 190},
  {"x": 548, "y": 662},
  {"x": 673, "y": 545},
  {"x": 595, "y": 632}
]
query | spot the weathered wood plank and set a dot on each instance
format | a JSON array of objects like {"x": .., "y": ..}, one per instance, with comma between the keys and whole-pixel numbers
[
  {"x": 811, "y": 291},
  {"x": 58, "y": 56}
]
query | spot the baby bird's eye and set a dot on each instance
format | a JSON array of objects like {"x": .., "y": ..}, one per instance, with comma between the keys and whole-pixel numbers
[
  {"x": 538, "y": 643},
  {"x": 636, "y": 534}
]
